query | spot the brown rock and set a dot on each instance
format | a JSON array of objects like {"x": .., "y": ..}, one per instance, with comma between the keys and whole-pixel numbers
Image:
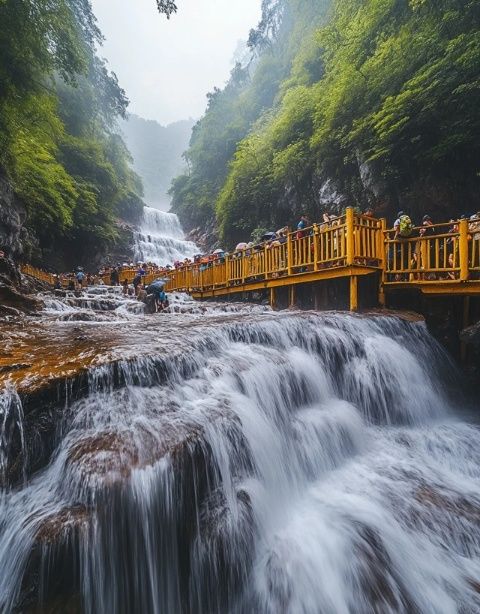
[
  {"x": 10, "y": 297},
  {"x": 57, "y": 527}
]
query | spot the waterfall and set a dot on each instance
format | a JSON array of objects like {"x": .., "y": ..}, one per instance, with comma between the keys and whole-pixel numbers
[
  {"x": 293, "y": 463},
  {"x": 161, "y": 239}
]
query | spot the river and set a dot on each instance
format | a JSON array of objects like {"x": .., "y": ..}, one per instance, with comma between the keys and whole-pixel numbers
[{"x": 228, "y": 459}]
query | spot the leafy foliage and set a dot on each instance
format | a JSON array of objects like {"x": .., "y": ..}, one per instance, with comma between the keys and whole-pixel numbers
[
  {"x": 58, "y": 111},
  {"x": 242, "y": 106},
  {"x": 383, "y": 88},
  {"x": 167, "y": 6}
]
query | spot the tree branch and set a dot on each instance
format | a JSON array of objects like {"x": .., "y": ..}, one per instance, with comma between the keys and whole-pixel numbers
[{"x": 168, "y": 7}]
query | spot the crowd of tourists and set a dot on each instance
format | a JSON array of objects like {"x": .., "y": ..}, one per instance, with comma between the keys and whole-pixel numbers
[
  {"x": 406, "y": 255},
  {"x": 152, "y": 294},
  {"x": 442, "y": 255},
  {"x": 435, "y": 259}
]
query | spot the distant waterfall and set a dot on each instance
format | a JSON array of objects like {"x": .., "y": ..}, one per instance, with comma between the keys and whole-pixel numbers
[{"x": 161, "y": 239}]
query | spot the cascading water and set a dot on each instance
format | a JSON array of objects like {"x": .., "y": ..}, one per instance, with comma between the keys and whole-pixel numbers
[
  {"x": 284, "y": 463},
  {"x": 161, "y": 239}
]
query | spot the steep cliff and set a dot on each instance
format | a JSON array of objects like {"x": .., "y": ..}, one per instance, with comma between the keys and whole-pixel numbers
[
  {"x": 14, "y": 239},
  {"x": 342, "y": 102}
]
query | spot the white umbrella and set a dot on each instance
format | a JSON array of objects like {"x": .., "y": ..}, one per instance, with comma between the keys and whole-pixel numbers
[
  {"x": 241, "y": 246},
  {"x": 219, "y": 251}
]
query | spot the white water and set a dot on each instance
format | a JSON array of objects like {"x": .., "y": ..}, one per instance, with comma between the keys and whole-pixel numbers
[
  {"x": 161, "y": 239},
  {"x": 106, "y": 304},
  {"x": 294, "y": 464}
]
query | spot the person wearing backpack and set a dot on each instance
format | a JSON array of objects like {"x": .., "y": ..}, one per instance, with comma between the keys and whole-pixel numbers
[
  {"x": 80, "y": 276},
  {"x": 427, "y": 248},
  {"x": 403, "y": 228}
]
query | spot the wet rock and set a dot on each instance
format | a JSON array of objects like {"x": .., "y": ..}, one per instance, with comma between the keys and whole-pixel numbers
[
  {"x": 9, "y": 311},
  {"x": 61, "y": 526},
  {"x": 10, "y": 297},
  {"x": 452, "y": 503},
  {"x": 105, "y": 454},
  {"x": 51, "y": 581},
  {"x": 108, "y": 456},
  {"x": 14, "y": 367},
  {"x": 9, "y": 274},
  {"x": 471, "y": 335},
  {"x": 377, "y": 577}
]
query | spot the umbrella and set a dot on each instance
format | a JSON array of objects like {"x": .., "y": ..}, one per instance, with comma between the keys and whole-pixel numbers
[
  {"x": 241, "y": 246},
  {"x": 269, "y": 236},
  {"x": 219, "y": 251},
  {"x": 79, "y": 269},
  {"x": 156, "y": 285}
]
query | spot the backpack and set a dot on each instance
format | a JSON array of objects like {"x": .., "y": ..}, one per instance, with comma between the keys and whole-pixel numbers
[{"x": 406, "y": 226}]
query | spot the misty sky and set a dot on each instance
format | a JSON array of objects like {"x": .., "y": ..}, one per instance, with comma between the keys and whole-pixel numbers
[{"x": 167, "y": 67}]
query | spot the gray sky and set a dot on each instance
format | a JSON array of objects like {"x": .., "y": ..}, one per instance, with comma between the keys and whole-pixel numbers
[{"x": 167, "y": 67}]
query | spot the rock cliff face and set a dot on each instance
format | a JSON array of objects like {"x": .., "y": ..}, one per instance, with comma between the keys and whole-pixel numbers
[{"x": 13, "y": 236}]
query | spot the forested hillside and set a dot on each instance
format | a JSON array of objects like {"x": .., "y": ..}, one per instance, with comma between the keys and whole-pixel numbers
[
  {"x": 157, "y": 154},
  {"x": 343, "y": 102},
  {"x": 65, "y": 173}
]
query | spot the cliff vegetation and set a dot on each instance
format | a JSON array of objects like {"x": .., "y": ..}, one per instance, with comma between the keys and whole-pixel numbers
[{"x": 341, "y": 102}]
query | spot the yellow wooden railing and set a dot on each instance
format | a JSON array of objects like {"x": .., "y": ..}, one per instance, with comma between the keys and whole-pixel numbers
[
  {"x": 350, "y": 245},
  {"x": 348, "y": 240},
  {"x": 447, "y": 252},
  {"x": 32, "y": 271}
]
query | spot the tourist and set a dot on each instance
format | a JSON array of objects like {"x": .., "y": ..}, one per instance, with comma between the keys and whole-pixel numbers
[
  {"x": 137, "y": 280},
  {"x": 162, "y": 300},
  {"x": 80, "y": 276},
  {"x": 474, "y": 229},
  {"x": 114, "y": 277},
  {"x": 301, "y": 226},
  {"x": 125, "y": 287},
  {"x": 403, "y": 230},
  {"x": 428, "y": 253},
  {"x": 452, "y": 274}
]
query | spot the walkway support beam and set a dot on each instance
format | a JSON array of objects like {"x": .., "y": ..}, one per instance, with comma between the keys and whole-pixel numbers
[
  {"x": 353, "y": 293},
  {"x": 292, "y": 298},
  {"x": 272, "y": 298},
  {"x": 382, "y": 249}
]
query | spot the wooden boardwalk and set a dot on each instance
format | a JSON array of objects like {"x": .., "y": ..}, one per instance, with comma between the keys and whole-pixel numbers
[{"x": 445, "y": 261}]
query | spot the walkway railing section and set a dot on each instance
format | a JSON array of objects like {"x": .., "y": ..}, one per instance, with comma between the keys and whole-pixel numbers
[
  {"x": 28, "y": 269},
  {"x": 438, "y": 253},
  {"x": 346, "y": 241},
  {"x": 434, "y": 254}
]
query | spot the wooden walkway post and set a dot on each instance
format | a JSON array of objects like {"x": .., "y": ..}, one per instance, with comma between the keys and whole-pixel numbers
[
  {"x": 382, "y": 248},
  {"x": 272, "y": 298},
  {"x": 350, "y": 256},
  {"x": 292, "y": 298},
  {"x": 350, "y": 236},
  {"x": 353, "y": 293},
  {"x": 463, "y": 249}
]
